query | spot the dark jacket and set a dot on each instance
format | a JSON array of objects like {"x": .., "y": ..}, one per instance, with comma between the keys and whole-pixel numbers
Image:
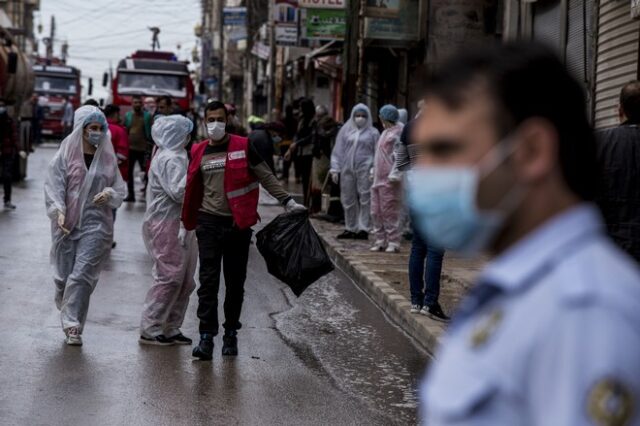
[
  {"x": 325, "y": 137},
  {"x": 263, "y": 143},
  {"x": 618, "y": 188},
  {"x": 8, "y": 136}
]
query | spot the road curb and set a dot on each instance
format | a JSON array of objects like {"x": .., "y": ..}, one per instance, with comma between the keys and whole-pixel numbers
[{"x": 425, "y": 331}]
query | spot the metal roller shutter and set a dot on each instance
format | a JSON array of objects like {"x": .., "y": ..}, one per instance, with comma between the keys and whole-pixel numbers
[
  {"x": 546, "y": 23},
  {"x": 576, "y": 54},
  {"x": 617, "y": 58}
]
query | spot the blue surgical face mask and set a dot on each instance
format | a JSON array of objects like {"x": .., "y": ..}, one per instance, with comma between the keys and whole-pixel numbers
[
  {"x": 276, "y": 139},
  {"x": 442, "y": 201},
  {"x": 94, "y": 138}
]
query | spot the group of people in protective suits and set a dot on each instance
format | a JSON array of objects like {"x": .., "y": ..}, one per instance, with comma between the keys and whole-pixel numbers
[
  {"x": 83, "y": 189},
  {"x": 363, "y": 164}
]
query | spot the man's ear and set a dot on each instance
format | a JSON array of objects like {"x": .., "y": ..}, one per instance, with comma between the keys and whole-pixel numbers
[
  {"x": 622, "y": 117},
  {"x": 536, "y": 156}
]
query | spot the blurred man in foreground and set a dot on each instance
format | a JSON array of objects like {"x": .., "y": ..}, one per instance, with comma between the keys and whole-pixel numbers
[{"x": 506, "y": 163}]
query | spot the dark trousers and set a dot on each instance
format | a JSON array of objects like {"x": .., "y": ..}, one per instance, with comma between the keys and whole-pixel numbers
[
  {"x": 220, "y": 243},
  {"x": 134, "y": 157},
  {"x": 424, "y": 282},
  {"x": 7, "y": 175},
  {"x": 305, "y": 162}
]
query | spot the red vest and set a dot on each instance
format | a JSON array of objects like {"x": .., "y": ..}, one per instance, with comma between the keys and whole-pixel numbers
[{"x": 240, "y": 185}]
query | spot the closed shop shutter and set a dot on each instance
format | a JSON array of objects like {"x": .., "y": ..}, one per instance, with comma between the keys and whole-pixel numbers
[
  {"x": 576, "y": 54},
  {"x": 617, "y": 58},
  {"x": 546, "y": 23}
]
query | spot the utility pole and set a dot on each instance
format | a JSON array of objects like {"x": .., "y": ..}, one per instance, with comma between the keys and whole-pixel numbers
[
  {"x": 351, "y": 60},
  {"x": 271, "y": 102},
  {"x": 52, "y": 36},
  {"x": 221, "y": 35}
]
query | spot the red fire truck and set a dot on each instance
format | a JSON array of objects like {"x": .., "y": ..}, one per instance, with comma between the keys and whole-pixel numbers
[
  {"x": 152, "y": 73},
  {"x": 54, "y": 82}
]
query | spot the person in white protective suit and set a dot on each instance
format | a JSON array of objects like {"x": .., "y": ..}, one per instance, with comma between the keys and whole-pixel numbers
[
  {"x": 173, "y": 249},
  {"x": 82, "y": 188},
  {"x": 351, "y": 163}
]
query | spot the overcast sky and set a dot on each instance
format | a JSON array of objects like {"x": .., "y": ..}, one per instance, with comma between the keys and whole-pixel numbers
[{"x": 100, "y": 32}]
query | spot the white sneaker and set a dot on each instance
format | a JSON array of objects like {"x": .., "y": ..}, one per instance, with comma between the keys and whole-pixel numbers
[
  {"x": 73, "y": 337},
  {"x": 415, "y": 309},
  {"x": 9, "y": 206},
  {"x": 377, "y": 246},
  {"x": 393, "y": 248}
]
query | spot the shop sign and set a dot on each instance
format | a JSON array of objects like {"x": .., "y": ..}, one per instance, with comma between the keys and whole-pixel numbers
[{"x": 326, "y": 24}]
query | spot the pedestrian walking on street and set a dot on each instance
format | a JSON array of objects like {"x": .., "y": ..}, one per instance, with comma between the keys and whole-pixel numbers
[
  {"x": 173, "y": 248},
  {"x": 10, "y": 152},
  {"x": 303, "y": 144},
  {"x": 507, "y": 164},
  {"x": 221, "y": 204},
  {"x": 120, "y": 142},
  {"x": 618, "y": 194},
  {"x": 138, "y": 124},
  {"x": 351, "y": 163},
  {"x": 82, "y": 188},
  {"x": 386, "y": 189},
  {"x": 67, "y": 116},
  {"x": 325, "y": 138}
]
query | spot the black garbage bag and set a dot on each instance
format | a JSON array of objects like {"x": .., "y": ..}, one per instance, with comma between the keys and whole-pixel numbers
[{"x": 293, "y": 251}]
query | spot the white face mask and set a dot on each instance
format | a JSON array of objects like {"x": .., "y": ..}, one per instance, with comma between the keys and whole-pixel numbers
[
  {"x": 216, "y": 130},
  {"x": 360, "y": 121}
]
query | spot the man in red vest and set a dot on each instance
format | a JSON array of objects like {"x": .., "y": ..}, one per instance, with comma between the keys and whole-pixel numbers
[{"x": 221, "y": 204}]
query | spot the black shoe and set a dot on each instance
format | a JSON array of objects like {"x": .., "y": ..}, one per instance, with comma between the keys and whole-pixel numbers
[
  {"x": 435, "y": 312},
  {"x": 347, "y": 235},
  {"x": 204, "y": 350},
  {"x": 113, "y": 245},
  {"x": 230, "y": 344},
  {"x": 130, "y": 200},
  {"x": 362, "y": 235},
  {"x": 181, "y": 339},
  {"x": 160, "y": 340}
]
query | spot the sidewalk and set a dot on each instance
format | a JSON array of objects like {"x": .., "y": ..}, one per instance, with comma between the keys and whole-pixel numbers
[{"x": 384, "y": 278}]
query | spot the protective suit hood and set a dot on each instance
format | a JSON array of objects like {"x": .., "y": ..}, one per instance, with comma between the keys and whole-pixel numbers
[
  {"x": 170, "y": 132},
  {"x": 351, "y": 124}
]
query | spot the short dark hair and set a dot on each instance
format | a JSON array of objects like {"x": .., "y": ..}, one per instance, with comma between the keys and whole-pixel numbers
[
  {"x": 214, "y": 105},
  {"x": 111, "y": 110},
  {"x": 136, "y": 98},
  {"x": 91, "y": 102},
  {"x": 630, "y": 101},
  {"x": 164, "y": 98},
  {"x": 526, "y": 80}
]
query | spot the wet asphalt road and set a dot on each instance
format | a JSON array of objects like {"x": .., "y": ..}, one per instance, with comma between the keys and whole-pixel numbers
[{"x": 327, "y": 358}]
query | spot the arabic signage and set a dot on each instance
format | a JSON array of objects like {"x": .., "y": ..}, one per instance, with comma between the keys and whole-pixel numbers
[
  {"x": 326, "y": 24},
  {"x": 322, "y": 4}
]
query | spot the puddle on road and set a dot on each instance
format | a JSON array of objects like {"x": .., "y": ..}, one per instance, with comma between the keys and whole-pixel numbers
[{"x": 336, "y": 328}]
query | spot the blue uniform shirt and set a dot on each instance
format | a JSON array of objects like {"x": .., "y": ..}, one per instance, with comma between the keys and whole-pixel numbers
[{"x": 558, "y": 345}]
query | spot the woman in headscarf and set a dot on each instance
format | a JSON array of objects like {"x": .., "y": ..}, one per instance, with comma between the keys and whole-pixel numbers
[
  {"x": 385, "y": 192},
  {"x": 173, "y": 249},
  {"x": 351, "y": 162},
  {"x": 82, "y": 187}
]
